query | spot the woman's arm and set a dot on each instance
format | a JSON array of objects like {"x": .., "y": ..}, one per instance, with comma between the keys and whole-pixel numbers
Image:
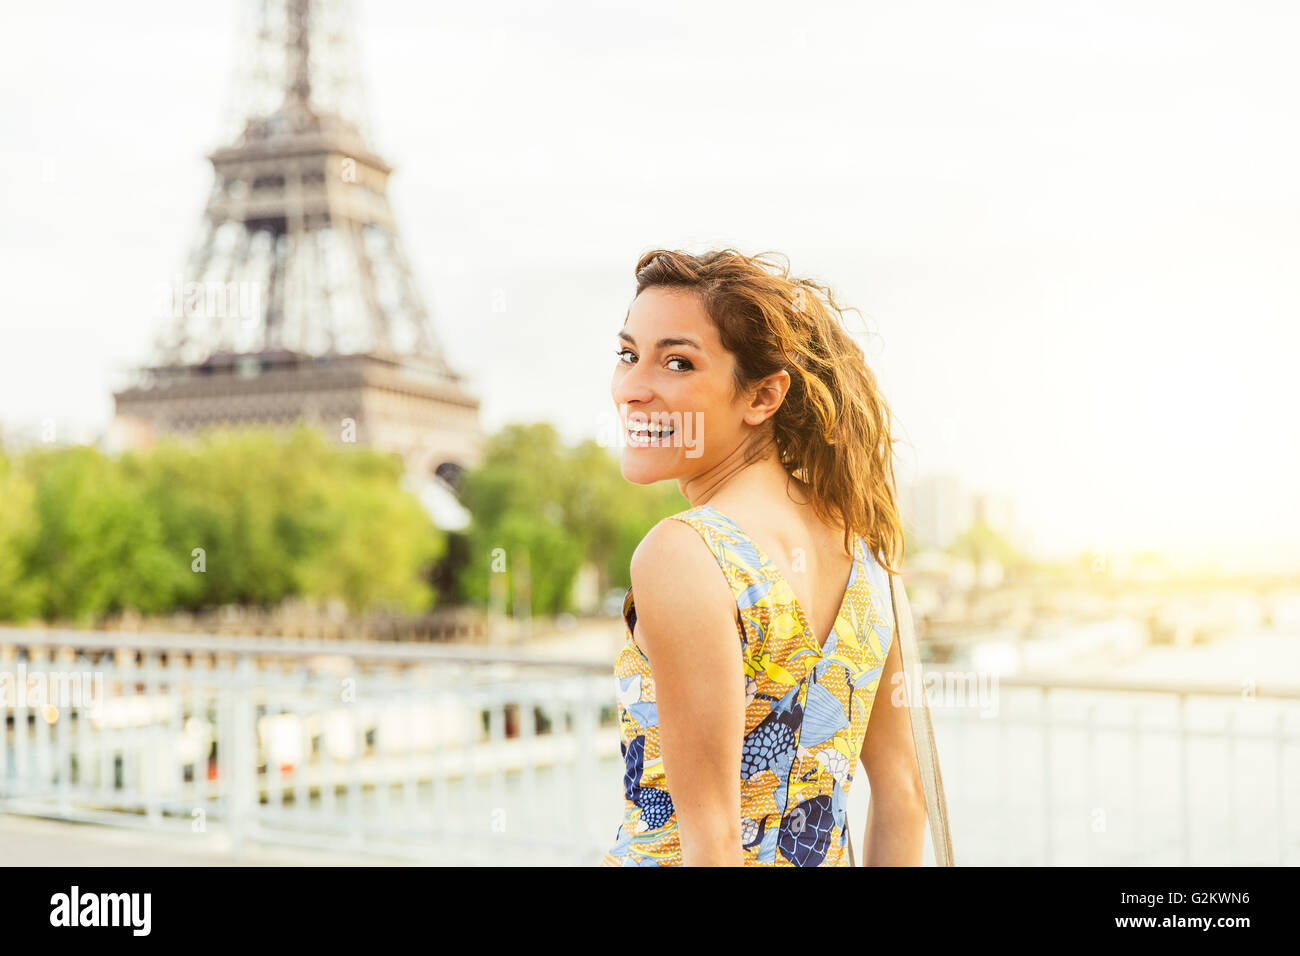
[
  {"x": 895, "y": 833},
  {"x": 686, "y": 626}
]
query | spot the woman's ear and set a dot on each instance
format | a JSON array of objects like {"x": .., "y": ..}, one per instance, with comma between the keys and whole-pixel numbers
[{"x": 767, "y": 398}]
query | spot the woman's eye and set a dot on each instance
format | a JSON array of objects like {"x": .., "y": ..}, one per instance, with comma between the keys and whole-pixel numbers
[{"x": 621, "y": 352}]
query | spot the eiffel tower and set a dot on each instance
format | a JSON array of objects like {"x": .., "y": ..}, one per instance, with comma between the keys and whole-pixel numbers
[{"x": 297, "y": 302}]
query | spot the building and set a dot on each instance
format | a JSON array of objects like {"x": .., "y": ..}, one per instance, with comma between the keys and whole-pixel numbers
[
  {"x": 297, "y": 303},
  {"x": 935, "y": 510}
]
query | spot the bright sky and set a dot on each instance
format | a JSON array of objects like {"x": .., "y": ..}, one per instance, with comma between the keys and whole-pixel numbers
[{"x": 1072, "y": 227}]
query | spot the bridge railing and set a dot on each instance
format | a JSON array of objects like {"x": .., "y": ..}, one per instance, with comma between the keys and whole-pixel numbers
[
  {"x": 438, "y": 753},
  {"x": 433, "y": 753},
  {"x": 1122, "y": 772}
]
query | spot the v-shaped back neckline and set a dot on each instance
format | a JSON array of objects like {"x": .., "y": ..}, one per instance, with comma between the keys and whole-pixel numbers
[{"x": 794, "y": 598}]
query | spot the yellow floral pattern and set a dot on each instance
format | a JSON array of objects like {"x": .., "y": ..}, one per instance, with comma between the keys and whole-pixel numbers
[{"x": 805, "y": 719}]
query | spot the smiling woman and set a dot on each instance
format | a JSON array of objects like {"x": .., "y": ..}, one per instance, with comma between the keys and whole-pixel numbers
[{"x": 746, "y": 697}]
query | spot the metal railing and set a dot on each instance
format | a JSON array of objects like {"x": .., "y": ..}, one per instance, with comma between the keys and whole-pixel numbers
[
  {"x": 450, "y": 754},
  {"x": 1124, "y": 773},
  {"x": 426, "y": 753}
]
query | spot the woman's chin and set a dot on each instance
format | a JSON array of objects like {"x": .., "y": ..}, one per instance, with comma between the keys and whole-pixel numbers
[{"x": 641, "y": 472}]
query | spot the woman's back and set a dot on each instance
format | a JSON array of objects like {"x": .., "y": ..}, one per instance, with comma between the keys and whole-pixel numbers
[
  {"x": 809, "y": 555},
  {"x": 811, "y": 680}
]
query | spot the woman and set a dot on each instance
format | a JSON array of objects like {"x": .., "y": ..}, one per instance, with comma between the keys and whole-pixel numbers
[{"x": 746, "y": 697}]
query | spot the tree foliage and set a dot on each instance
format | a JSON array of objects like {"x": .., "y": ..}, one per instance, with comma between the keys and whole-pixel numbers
[
  {"x": 564, "y": 506},
  {"x": 244, "y": 516},
  {"x": 252, "y": 517}
]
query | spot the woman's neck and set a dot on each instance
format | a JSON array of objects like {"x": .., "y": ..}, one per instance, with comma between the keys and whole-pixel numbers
[{"x": 764, "y": 479}]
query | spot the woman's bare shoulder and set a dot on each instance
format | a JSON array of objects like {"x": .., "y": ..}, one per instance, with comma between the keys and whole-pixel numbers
[
  {"x": 677, "y": 582},
  {"x": 670, "y": 547}
]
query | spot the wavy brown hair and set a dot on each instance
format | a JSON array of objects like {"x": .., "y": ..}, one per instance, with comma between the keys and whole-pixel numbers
[{"x": 832, "y": 431}]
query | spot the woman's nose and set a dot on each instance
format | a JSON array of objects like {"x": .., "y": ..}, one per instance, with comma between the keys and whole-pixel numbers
[{"x": 630, "y": 387}]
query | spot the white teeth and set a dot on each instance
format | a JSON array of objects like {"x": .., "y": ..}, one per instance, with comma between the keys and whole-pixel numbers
[{"x": 649, "y": 432}]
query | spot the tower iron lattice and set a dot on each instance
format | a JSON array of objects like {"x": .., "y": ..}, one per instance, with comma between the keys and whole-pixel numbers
[{"x": 297, "y": 302}]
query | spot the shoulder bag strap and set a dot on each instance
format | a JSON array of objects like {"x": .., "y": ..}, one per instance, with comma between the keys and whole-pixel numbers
[{"x": 927, "y": 757}]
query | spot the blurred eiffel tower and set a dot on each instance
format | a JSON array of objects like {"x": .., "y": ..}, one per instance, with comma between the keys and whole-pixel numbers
[{"x": 297, "y": 302}]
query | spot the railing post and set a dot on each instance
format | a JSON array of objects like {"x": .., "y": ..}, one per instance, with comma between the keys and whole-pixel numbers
[
  {"x": 84, "y": 708},
  {"x": 999, "y": 791},
  {"x": 587, "y": 782},
  {"x": 497, "y": 746},
  {"x": 158, "y": 760},
  {"x": 528, "y": 757},
  {"x": 61, "y": 661},
  {"x": 1136, "y": 748},
  {"x": 243, "y": 755},
  {"x": 8, "y": 659},
  {"x": 1045, "y": 709},
  {"x": 22, "y": 772},
  {"x": 1230, "y": 737},
  {"x": 357, "y": 725},
  {"x": 42, "y": 766},
  {"x": 130, "y": 733},
  {"x": 1184, "y": 793},
  {"x": 1088, "y": 781},
  {"x": 1279, "y": 761}
]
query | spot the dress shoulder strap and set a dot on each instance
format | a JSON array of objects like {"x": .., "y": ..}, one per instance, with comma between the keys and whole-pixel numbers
[
  {"x": 734, "y": 551},
  {"x": 750, "y": 579}
]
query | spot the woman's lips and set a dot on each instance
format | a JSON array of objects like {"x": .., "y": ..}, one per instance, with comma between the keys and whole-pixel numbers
[{"x": 649, "y": 439}]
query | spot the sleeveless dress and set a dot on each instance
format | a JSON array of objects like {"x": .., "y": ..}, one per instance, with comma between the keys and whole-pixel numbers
[{"x": 805, "y": 717}]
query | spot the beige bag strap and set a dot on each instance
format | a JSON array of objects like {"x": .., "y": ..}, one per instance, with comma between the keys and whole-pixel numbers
[{"x": 927, "y": 757}]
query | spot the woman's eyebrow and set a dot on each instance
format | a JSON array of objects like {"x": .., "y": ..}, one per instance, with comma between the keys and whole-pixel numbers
[{"x": 663, "y": 343}]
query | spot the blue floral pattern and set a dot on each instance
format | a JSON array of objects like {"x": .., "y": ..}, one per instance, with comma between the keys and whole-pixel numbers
[{"x": 806, "y": 712}]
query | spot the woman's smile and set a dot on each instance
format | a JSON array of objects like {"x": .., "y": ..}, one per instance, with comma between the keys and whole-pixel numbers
[{"x": 650, "y": 434}]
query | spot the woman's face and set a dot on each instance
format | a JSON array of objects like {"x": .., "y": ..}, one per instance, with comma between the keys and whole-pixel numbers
[{"x": 673, "y": 373}]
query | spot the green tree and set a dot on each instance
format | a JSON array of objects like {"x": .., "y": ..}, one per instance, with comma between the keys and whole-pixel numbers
[
  {"x": 20, "y": 593},
  {"x": 101, "y": 545},
  {"x": 565, "y": 506},
  {"x": 246, "y": 516},
  {"x": 296, "y": 516},
  {"x": 366, "y": 540},
  {"x": 516, "y": 497}
]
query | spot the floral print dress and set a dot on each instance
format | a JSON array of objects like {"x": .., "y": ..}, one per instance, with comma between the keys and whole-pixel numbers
[{"x": 805, "y": 718}]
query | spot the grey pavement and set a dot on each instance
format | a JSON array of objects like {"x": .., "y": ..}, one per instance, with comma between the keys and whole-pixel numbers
[{"x": 34, "y": 841}]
